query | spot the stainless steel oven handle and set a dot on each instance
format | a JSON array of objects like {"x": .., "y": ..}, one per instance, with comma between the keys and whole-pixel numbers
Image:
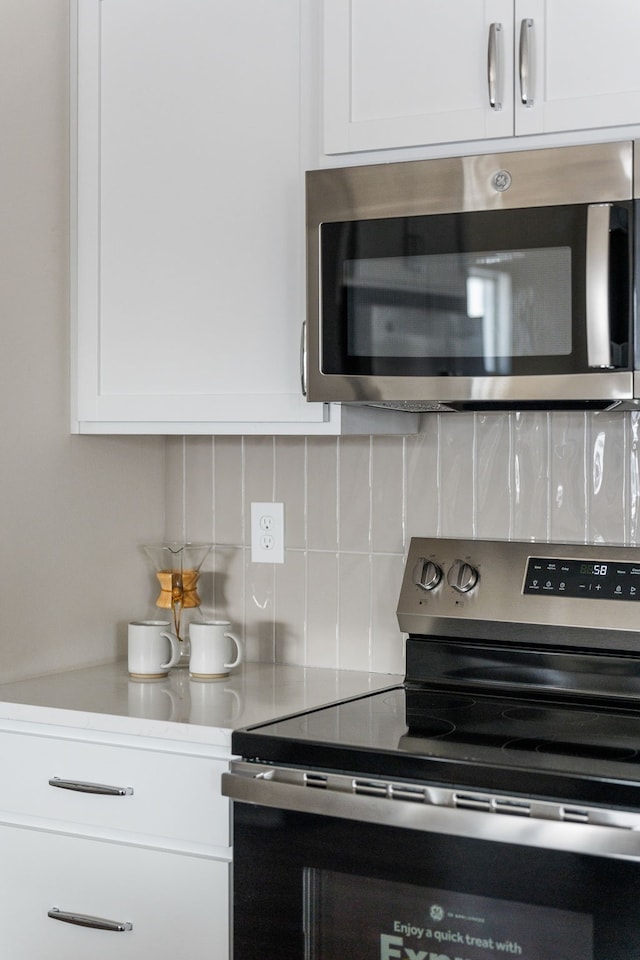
[
  {"x": 385, "y": 804},
  {"x": 598, "y": 322},
  {"x": 494, "y": 66}
]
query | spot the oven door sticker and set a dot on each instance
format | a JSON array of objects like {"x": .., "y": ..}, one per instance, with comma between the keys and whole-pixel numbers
[{"x": 363, "y": 918}]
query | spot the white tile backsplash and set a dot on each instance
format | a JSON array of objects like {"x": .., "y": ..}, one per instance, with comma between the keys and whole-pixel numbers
[{"x": 352, "y": 504}]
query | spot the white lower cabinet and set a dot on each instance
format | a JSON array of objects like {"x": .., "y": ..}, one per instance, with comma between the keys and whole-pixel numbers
[
  {"x": 126, "y": 838},
  {"x": 176, "y": 905}
]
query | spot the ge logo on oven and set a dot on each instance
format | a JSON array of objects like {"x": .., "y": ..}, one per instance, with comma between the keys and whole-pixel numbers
[{"x": 436, "y": 912}]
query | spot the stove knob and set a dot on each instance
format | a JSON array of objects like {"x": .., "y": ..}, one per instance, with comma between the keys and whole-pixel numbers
[
  {"x": 427, "y": 574},
  {"x": 462, "y": 576}
]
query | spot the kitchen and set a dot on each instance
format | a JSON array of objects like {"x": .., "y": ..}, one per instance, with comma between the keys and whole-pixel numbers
[{"x": 76, "y": 508}]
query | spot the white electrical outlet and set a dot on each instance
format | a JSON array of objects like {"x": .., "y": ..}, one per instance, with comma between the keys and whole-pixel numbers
[{"x": 267, "y": 532}]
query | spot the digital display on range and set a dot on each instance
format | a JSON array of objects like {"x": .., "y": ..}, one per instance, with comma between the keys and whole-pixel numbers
[{"x": 595, "y": 580}]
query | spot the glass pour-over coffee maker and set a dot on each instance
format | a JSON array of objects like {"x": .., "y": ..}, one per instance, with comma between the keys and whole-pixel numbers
[{"x": 177, "y": 566}]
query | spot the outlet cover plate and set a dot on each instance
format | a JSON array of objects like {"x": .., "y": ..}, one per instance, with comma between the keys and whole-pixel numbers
[{"x": 267, "y": 532}]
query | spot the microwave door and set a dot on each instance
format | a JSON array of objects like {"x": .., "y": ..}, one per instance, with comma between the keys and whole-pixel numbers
[{"x": 498, "y": 323}]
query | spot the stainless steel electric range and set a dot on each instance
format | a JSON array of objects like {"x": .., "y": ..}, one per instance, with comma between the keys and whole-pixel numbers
[{"x": 488, "y": 806}]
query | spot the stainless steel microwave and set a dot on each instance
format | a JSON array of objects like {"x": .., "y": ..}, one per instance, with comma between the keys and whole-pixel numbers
[{"x": 475, "y": 282}]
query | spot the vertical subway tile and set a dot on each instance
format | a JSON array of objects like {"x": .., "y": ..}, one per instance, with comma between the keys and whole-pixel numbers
[
  {"x": 606, "y": 476},
  {"x": 322, "y": 493},
  {"x": 290, "y": 487},
  {"x": 322, "y": 609},
  {"x": 259, "y": 599},
  {"x": 354, "y": 612},
  {"x": 493, "y": 476},
  {"x": 633, "y": 447},
  {"x": 198, "y": 506},
  {"x": 530, "y": 482},
  {"x": 228, "y": 490},
  {"x": 457, "y": 461},
  {"x": 568, "y": 515},
  {"x": 387, "y": 502},
  {"x": 174, "y": 525},
  {"x": 387, "y": 642},
  {"x": 290, "y": 609},
  {"x": 228, "y": 586},
  {"x": 422, "y": 480},
  {"x": 354, "y": 494},
  {"x": 259, "y": 474}
]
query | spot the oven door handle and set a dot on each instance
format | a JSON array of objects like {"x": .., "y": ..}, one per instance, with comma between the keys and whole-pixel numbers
[{"x": 428, "y": 809}]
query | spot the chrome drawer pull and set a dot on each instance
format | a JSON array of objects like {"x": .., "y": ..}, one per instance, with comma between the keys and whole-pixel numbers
[
  {"x": 84, "y": 920},
  {"x": 81, "y": 787}
]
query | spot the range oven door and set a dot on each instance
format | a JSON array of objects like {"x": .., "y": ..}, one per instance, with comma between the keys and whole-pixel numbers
[{"x": 376, "y": 883}]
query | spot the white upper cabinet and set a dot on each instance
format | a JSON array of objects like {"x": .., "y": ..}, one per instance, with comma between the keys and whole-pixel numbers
[
  {"x": 188, "y": 246},
  {"x": 400, "y": 73}
]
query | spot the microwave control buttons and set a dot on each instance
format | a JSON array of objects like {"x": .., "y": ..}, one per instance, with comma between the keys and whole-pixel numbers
[
  {"x": 501, "y": 181},
  {"x": 462, "y": 576},
  {"x": 427, "y": 574}
]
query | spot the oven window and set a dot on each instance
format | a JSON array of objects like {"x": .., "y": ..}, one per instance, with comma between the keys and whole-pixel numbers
[{"x": 364, "y": 918}]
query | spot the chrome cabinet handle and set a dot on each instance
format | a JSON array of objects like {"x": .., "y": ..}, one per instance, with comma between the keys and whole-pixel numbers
[
  {"x": 303, "y": 359},
  {"x": 82, "y": 787},
  {"x": 494, "y": 66},
  {"x": 526, "y": 62},
  {"x": 598, "y": 322},
  {"x": 84, "y": 920}
]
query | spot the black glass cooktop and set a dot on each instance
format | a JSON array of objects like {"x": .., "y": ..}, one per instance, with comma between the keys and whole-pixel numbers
[{"x": 538, "y": 746}]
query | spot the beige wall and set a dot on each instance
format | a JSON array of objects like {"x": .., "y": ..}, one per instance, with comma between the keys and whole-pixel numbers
[
  {"x": 73, "y": 510},
  {"x": 351, "y": 506}
]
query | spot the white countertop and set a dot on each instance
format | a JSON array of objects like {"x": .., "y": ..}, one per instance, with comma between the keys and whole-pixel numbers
[{"x": 104, "y": 699}]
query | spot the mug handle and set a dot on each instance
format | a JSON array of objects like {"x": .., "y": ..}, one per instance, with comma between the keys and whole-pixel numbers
[
  {"x": 176, "y": 650},
  {"x": 238, "y": 658}
]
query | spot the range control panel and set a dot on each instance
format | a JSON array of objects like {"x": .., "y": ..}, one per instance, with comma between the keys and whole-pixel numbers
[
  {"x": 523, "y": 591},
  {"x": 592, "y": 579}
]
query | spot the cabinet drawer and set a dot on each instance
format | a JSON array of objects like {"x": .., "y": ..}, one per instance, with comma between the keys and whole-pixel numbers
[
  {"x": 177, "y": 905},
  {"x": 166, "y": 795}
]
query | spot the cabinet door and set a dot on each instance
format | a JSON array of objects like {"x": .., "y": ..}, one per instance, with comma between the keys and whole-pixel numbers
[
  {"x": 404, "y": 72},
  {"x": 584, "y": 65},
  {"x": 190, "y": 269},
  {"x": 177, "y": 906}
]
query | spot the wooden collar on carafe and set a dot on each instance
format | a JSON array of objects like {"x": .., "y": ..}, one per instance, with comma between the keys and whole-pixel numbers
[{"x": 178, "y": 587}]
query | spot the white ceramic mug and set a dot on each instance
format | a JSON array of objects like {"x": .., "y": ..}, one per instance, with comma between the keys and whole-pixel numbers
[
  {"x": 212, "y": 654},
  {"x": 152, "y": 649}
]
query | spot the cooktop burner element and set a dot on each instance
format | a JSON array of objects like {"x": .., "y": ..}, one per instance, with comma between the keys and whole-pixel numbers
[{"x": 545, "y": 729}]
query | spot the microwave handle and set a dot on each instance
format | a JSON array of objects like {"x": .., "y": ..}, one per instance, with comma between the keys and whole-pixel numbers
[
  {"x": 494, "y": 71},
  {"x": 597, "y": 299}
]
